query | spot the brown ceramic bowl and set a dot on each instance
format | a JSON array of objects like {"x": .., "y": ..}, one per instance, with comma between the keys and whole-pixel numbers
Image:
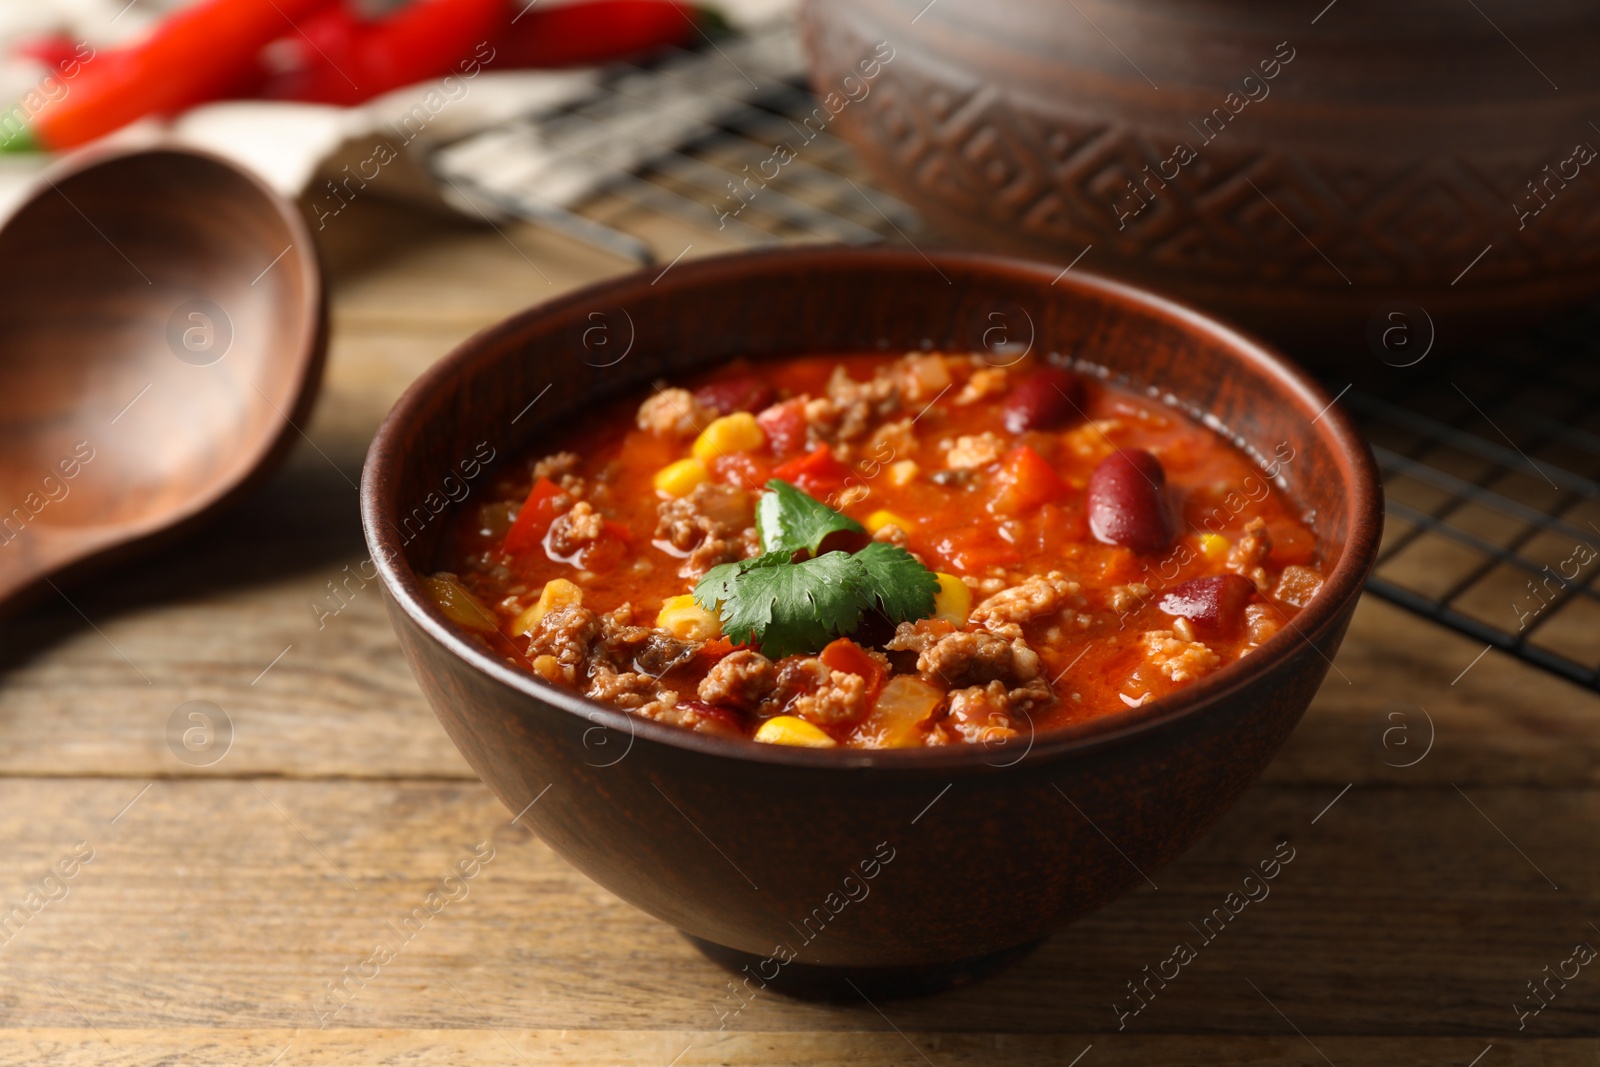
[
  {"x": 974, "y": 854},
  {"x": 1392, "y": 146}
]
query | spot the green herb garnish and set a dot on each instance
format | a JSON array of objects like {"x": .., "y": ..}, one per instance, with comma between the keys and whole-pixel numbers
[{"x": 790, "y": 600}]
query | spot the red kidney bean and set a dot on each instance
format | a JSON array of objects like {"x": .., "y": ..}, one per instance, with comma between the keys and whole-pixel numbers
[
  {"x": 735, "y": 394},
  {"x": 1127, "y": 502},
  {"x": 1047, "y": 399},
  {"x": 1213, "y": 605}
]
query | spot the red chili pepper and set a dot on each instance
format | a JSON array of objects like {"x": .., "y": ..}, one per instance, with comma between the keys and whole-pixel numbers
[
  {"x": 197, "y": 53},
  {"x": 342, "y": 58},
  {"x": 534, "y": 517},
  {"x": 598, "y": 31}
]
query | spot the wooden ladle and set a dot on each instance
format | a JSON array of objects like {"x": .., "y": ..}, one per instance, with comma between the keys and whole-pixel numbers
[{"x": 162, "y": 331}]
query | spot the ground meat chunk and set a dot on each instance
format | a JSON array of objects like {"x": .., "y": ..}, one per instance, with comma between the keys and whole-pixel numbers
[
  {"x": 1125, "y": 598},
  {"x": 985, "y": 381},
  {"x": 649, "y": 649},
  {"x": 840, "y": 699},
  {"x": 892, "y": 439},
  {"x": 850, "y": 407},
  {"x": 1249, "y": 554},
  {"x": 630, "y": 690},
  {"x": 959, "y": 659},
  {"x": 994, "y": 712},
  {"x": 741, "y": 679},
  {"x": 1179, "y": 660},
  {"x": 674, "y": 413},
  {"x": 1006, "y": 611},
  {"x": 973, "y": 450},
  {"x": 892, "y": 534},
  {"x": 560, "y": 644},
  {"x": 555, "y": 466},
  {"x": 712, "y": 524},
  {"x": 575, "y": 530},
  {"x": 797, "y": 676}
]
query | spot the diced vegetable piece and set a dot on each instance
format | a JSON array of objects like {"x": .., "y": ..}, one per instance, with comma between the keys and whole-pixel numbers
[
  {"x": 788, "y": 730},
  {"x": 534, "y": 517},
  {"x": 847, "y": 656},
  {"x": 817, "y": 472},
  {"x": 882, "y": 517},
  {"x": 557, "y": 593},
  {"x": 738, "y": 432},
  {"x": 1026, "y": 481},
  {"x": 460, "y": 606},
  {"x": 680, "y": 478},
  {"x": 1214, "y": 606},
  {"x": 903, "y": 472},
  {"x": 1048, "y": 399},
  {"x": 1215, "y": 547},
  {"x": 688, "y": 621},
  {"x": 1291, "y": 543},
  {"x": 953, "y": 600},
  {"x": 735, "y": 394},
  {"x": 975, "y": 549},
  {"x": 929, "y": 373},
  {"x": 785, "y": 426},
  {"x": 1127, "y": 502},
  {"x": 896, "y": 720},
  {"x": 1297, "y": 585}
]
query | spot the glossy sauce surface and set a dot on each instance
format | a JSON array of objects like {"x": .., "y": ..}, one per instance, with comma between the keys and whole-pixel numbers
[{"x": 992, "y": 475}]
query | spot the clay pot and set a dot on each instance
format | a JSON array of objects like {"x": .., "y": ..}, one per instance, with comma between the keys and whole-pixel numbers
[{"x": 1302, "y": 173}]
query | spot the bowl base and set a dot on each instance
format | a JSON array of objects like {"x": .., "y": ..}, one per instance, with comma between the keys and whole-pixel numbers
[{"x": 810, "y": 981}]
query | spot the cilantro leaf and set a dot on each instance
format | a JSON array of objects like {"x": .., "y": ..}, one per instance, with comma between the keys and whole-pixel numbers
[
  {"x": 903, "y": 588},
  {"x": 790, "y": 607},
  {"x": 788, "y": 520}
]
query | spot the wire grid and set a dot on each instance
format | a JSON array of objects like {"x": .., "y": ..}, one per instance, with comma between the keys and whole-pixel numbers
[
  {"x": 1489, "y": 460},
  {"x": 694, "y": 135},
  {"x": 1489, "y": 457}
]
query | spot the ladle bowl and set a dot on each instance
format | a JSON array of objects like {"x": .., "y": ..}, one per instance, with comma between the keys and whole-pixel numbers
[{"x": 164, "y": 330}]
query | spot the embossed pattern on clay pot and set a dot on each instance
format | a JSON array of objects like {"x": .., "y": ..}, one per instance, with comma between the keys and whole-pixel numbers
[{"x": 1369, "y": 154}]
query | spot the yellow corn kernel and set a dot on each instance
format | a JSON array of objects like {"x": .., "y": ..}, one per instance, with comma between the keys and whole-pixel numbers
[
  {"x": 788, "y": 730},
  {"x": 903, "y": 472},
  {"x": 1215, "y": 547},
  {"x": 952, "y": 601},
  {"x": 688, "y": 621},
  {"x": 557, "y": 593},
  {"x": 738, "y": 432},
  {"x": 879, "y": 519},
  {"x": 680, "y": 478},
  {"x": 460, "y": 606}
]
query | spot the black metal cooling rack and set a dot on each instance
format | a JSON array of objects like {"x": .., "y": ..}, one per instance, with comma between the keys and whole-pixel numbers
[
  {"x": 1489, "y": 455},
  {"x": 1489, "y": 458}
]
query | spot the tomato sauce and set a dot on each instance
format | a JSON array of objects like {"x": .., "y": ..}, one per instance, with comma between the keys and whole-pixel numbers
[{"x": 1111, "y": 548}]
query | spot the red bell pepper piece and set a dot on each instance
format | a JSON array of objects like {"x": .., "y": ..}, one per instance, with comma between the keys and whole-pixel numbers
[
  {"x": 817, "y": 472},
  {"x": 598, "y": 31},
  {"x": 850, "y": 658},
  {"x": 342, "y": 58},
  {"x": 1026, "y": 482},
  {"x": 534, "y": 518},
  {"x": 197, "y": 53}
]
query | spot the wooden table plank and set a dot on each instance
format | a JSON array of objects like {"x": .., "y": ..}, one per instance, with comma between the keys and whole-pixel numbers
[
  {"x": 234, "y": 903},
  {"x": 506, "y": 1047},
  {"x": 221, "y": 898}
]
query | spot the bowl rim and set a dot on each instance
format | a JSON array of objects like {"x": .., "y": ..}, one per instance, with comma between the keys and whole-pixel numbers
[{"x": 1341, "y": 588}]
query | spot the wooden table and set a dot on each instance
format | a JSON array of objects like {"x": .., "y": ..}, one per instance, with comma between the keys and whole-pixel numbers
[{"x": 222, "y": 901}]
